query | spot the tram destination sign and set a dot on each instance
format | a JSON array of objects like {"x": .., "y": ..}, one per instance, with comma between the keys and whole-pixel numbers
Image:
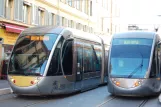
[{"x": 132, "y": 41}]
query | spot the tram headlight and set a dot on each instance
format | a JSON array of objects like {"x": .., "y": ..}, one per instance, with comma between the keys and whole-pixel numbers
[
  {"x": 138, "y": 83},
  {"x": 116, "y": 82},
  {"x": 37, "y": 79}
]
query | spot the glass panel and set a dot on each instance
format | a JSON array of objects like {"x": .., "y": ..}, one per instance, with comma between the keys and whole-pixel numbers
[
  {"x": 79, "y": 48},
  {"x": 31, "y": 53},
  {"x": 87, "y": 59},
  {"x": 55, "y": 67},
  {"x": 97, "y": 57},
  {"x": 130, "y": 57},
  {"x": 67, "y": 57}
]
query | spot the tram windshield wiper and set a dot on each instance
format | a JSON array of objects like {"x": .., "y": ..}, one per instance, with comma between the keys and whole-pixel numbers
[{"x": 137, "y": 68}]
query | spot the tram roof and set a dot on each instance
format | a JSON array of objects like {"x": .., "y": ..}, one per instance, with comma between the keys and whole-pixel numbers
[
  {"x": 60, "y": 30},
  {"x": 135, "y": 34}
]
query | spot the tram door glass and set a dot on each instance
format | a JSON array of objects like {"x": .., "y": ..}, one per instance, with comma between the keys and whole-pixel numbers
[
  {"x": 67, "y": 57},
  {"x": 55, "y": 67},
  {"x": 158, "y": 49},
  {"x": 79, "y": 50}
]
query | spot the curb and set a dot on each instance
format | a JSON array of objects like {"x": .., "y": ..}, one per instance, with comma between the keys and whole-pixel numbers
[{"x": 5, "y": 91}]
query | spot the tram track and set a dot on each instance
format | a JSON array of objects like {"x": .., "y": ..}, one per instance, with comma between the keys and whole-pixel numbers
[
  {"x": 110, "y": 99},
  {"x": 143, "y": 103}
]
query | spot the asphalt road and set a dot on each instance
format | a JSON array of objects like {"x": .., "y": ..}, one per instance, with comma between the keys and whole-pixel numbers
[{"x": 98, "y": 97}]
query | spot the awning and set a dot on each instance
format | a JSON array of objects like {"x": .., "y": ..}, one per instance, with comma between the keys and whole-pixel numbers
[{"x": 13, "y": 28}]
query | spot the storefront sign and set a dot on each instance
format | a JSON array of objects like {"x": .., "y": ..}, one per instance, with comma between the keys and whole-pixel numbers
[{"x": 8, "y": 38}]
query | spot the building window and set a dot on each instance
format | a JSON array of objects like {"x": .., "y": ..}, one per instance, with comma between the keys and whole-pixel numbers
[
  {"x": 77, "y": 4},
  {"x": 18, "y": 10},
  {"x": 2, "y": 8},
  {"x": 62, "y": 1},
  {"x": 35, "y": 19},
  {"x": 90, "y": 8},
  {"x": 63, "y": 21},
  {"x": 90, "y": 30},
  {"x": 78, "y": 26},
  {"x": 66, "y": 22},
  {"x": 84, "y": 28},
  {"x": 46, "y": 18},
  {"x": 9, "y": 9},
  {"x": 86, "y": 6},
  {"x": 69, "y": 2},
  {"x": 41, "y": 16},
  {"x": 27, "y": 12},
  {"x": 51, "y": 18},
  {"x": 57, "y": 19},
  {"x": 69, "y": 23},
  {"x": 72, "y": 24}
]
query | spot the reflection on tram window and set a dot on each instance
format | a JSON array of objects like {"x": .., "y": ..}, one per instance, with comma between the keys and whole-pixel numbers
[
  {"x": 31, "y": 55},
  {"x": 87, "y": 59},
  {"x": 89, "y": 56},
  {"x": 55, "y": 67},
  {"x": 67, "y": 57},
  {"x": 138, "y": 54},
  {"x": 97, "y": 57}
]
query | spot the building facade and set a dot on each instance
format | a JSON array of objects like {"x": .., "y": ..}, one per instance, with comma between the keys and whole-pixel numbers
[{"x": 86, "y": 15}]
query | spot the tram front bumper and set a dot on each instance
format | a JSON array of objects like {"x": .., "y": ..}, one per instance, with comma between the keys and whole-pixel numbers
[
  {"x": 146, "y": 89},
  {"x": 31, "y": 90}
]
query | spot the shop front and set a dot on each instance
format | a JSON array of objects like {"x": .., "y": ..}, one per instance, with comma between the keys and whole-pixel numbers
[{"x": 9, "y": 33}]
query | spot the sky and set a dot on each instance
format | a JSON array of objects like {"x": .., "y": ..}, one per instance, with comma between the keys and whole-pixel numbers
[{"x": 144, "y": 12}]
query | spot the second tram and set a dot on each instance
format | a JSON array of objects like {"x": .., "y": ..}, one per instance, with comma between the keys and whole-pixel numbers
[
  {"x": 134, "y": 64},
  {"x": 56, "y": 60}
]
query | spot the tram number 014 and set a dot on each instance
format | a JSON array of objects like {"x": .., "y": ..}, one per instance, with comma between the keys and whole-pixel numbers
[{"x": 58, "y": 86}]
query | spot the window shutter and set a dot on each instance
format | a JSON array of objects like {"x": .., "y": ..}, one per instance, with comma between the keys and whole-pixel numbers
[
  {"x": 46, "y": 18},
  {"x": 65, "y": 22},
  {"x": 32, "y": 14},
  {"x": 60, "y": 21},
  {"x": 16, "y": 9},
  {"x": 57, "y": 20},
  {"x": 21, "y": 10},
  {"x": 50, "y": 18},
  {"x": 2, "y": 8},
  {"x": 36, "y": 15}
]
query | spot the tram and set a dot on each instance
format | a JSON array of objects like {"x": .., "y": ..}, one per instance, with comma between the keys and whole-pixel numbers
[
  {"x": 134, "y": 65},
  {"x": 55, "y": 60}
]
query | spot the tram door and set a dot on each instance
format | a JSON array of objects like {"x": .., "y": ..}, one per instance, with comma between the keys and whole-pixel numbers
[
  {"x": 79, "y": 64},
  {"x": 158, "y": 61}
]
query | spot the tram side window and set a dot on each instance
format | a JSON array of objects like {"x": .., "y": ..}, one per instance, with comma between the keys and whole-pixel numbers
[
  {"x": 67, "y": 57},
  {"x": 88, "y": 58},
  {"x": 55, "y": 68},
  {"x": 153, "y": 72},
  {"x": 97, "y": 55}
]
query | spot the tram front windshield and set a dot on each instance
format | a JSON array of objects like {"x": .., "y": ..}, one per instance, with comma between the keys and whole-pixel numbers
[
  {"x": 130, "y": 57},
  {"x": 30, "y": 54}
]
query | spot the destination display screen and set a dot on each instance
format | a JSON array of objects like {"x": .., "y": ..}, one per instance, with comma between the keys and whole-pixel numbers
[
  {"x": 132, "y": 41},
  {"x": 38, "y": 38}
]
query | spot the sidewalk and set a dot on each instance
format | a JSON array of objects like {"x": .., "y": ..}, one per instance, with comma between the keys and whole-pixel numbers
[{"x": 4, "y": 87}]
